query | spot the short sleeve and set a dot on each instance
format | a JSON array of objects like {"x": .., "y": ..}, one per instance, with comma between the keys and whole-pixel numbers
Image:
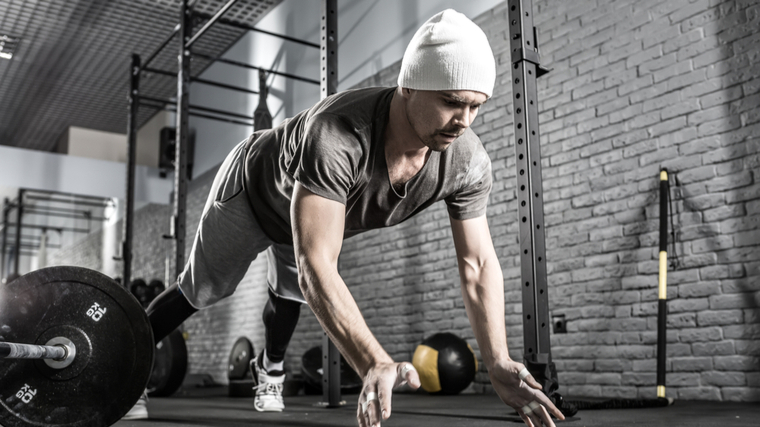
[
  {"x": 471, "y": 199},
  {"x": 326, "y": 157}
]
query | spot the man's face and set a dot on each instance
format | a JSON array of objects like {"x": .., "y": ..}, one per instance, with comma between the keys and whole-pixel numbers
[{"x": 439, "y": 117}]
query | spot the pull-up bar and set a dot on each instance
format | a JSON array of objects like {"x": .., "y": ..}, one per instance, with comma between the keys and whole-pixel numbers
[
  {"x": 253, "y": 67},
  {"x": 200, "y": 80},
  {"x": 160, "y": 48},
  {"x": 258, "y": 30},
  {"x": 195, "y": 107},
  {"x": 209, "y": 23}
]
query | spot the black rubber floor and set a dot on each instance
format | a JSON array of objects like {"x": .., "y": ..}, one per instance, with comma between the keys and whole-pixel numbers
[{"x": 214, "y": 408}]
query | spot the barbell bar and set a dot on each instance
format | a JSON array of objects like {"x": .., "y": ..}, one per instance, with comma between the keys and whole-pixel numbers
[{"x": 11, "y": 350}]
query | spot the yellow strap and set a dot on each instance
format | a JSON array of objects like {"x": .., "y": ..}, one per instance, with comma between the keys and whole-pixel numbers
[
  {"x": 663, "y": 275},
  {"x": 660, "y": 391}
]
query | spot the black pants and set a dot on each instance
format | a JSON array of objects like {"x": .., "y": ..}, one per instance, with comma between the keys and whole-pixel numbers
[{"x": 171, "y": 308}]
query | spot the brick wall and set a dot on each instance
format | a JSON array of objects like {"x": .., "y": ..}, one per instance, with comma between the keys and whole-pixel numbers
[{"x": 635, "y": 86}]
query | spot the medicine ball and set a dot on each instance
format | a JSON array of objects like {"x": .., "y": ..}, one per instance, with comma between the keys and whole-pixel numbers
[{"x": 446, "y": 364}]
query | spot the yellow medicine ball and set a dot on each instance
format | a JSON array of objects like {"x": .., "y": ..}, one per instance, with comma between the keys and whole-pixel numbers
[{"x": 446, "y": 363}]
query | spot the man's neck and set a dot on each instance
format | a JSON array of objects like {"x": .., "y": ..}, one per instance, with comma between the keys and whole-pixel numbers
[
  {"x": 405, "y": 154},
  {"x": 399, "y": 138}
]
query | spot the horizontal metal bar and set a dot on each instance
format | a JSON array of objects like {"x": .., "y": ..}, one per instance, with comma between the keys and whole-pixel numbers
[
  {"x": 62, "y": 215},
  {"x": 23, "y": 245},
  {"x": 160, "y": 48},
  {"x": 203, "y": 81},
  {"x": 244, "y": 65},
  {"x": 60, "y": 193},
  {"x": 47, "y": 227},
  {"x": 205, "y": 116},
  {"x": 72, "y": 202},
  {"x": 58, "y": 210},
  {"x": 209, "y": 23},
  {"x": 215, "y": 111},
  {"x": 221, "y": 119},
  {"x": 197, "y": 107},
  {"x": 251, "y": 28},
  {"x": 9, "y": 350}
]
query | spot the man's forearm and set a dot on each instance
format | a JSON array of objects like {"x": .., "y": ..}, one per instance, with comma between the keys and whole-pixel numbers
[
  {"x": 337, "y": 312},
  {"x": 483, "y": 294}
]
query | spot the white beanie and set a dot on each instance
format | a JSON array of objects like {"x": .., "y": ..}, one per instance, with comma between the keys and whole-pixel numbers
[{"x": 448, "y": 52}]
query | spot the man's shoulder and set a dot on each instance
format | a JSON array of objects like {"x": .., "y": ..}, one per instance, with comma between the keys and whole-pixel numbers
[{"x": 354, "y": 101}]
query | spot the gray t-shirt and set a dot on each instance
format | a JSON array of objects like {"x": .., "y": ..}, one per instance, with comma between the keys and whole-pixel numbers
[{"x": 335, "y": 150}]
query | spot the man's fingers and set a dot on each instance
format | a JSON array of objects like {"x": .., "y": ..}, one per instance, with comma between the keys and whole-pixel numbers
[
  {"x": 549, "y": 406},
  {"x": 369, "y": 410},
  {"x": 526, "y": 418},
  {"x": 525, "y": 375},
  {"x": 556, "y": 412},
  {"x": 541, "y": 413},
  {"x": 409, "y": 375}
]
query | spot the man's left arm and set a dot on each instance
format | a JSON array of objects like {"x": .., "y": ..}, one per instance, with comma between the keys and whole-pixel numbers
[{"x": 483, "y": 293}]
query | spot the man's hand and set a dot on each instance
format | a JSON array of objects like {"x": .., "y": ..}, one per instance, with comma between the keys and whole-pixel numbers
[
  {"x": 374, "y": 404},
  {"x": 524, "y": 395}
]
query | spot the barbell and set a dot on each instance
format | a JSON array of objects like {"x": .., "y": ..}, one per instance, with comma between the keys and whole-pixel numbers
[{"x": 90, "y": 344}]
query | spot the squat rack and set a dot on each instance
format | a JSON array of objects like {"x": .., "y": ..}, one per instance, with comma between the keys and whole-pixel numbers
[
  {"x": 183, "y": 109},
  {"x": 328, "y": 85},
  {"x": 23, "y": 204}
]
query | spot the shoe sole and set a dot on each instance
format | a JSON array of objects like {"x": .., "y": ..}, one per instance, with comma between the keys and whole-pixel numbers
[{"x": 267, "y": 410}]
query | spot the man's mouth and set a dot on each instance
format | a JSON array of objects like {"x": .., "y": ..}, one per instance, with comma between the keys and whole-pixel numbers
[{"x": 450, "y": 134}]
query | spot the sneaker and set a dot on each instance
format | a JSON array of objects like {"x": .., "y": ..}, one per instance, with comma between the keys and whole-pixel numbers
[
  {"x": 268, "y": 387},
  {"x": 140, "y": 410}
]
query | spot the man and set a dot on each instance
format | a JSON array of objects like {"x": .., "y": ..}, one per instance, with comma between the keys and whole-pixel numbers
[{"x": 360, "y": 160}]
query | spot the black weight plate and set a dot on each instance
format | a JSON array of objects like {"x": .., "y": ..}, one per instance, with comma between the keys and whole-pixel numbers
[
  {"x": 169, "y": 365},
  {"x": 240, "y": 356},
  {"x": 114, "y": 349}
]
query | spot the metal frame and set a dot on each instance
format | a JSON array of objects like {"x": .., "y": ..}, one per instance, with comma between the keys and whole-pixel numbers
[
  {"x": 182, "y": 109},
  {"x": 526, "y": 69},
  {"x": 21, "y": 241},
  {"x": 134, "y": 96},
  {"x": 328, "y": 65},
  {"x": 328, "y": 86}
]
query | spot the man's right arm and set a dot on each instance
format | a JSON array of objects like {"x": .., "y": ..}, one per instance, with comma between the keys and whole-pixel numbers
[{"x": 318, "y": 226}]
